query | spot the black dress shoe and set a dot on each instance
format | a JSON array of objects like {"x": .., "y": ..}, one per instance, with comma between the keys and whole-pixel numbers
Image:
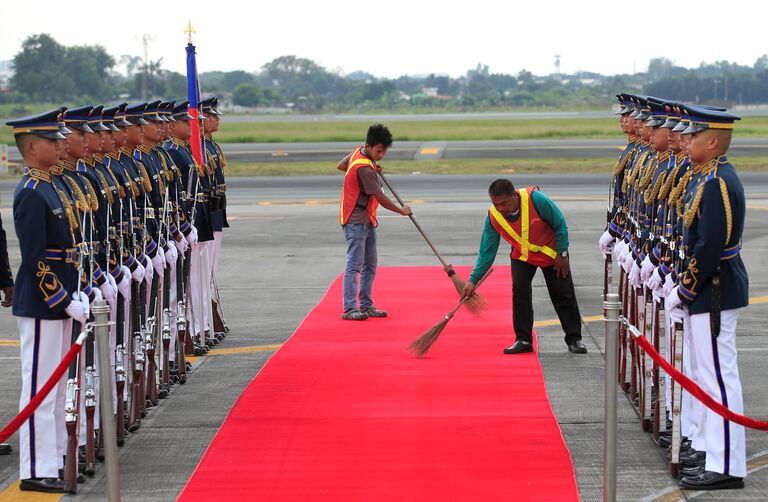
[
  {"x": 691, "y": 472},
  {"x": 80, "y": 478},
  {"x": 693, "y": 458},
  {"x": 709, "y": 480},
  {"x": 519, "y": 347},
  {"x": 5, "y": 449},
  {"x": 49, "y": 485},
  {"x": 577, "y": 347}
]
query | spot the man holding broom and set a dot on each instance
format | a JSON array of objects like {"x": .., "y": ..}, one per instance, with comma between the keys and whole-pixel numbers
[
  {"x": 536, "y": 229},
  {"x": 361, "y": 195}
]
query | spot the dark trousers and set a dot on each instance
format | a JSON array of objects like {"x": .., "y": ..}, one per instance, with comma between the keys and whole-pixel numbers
[{"x": 560, "y": 291}]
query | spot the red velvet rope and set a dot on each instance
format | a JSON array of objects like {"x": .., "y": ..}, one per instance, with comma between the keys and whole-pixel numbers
[
  {"x": 30, "y": 408},
  {"x": 697, "y": 392}
]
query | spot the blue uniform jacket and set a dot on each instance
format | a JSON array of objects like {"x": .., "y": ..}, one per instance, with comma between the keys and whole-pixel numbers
[
  {"x": 714, "y": 221},
  {"x": 47, "y": 275}
]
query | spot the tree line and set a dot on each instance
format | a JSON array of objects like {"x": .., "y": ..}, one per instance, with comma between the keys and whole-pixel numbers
[{"x": 46, "y": 71}]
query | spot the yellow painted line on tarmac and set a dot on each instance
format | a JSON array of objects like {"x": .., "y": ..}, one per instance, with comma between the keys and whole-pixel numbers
[
  {"x": 758, "y": 207},
  {"x": 236, "y": 350},
  {"x": 755, "y": 300},
  {"x": 556, "y": 322},
  {"x": 429, "y": 151},
  {"x": 10, "y": 343},
  {"x": 14, "y": 494}
]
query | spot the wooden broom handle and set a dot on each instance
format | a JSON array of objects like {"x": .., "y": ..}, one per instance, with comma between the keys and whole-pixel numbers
[{"x": 418, "y": 227}]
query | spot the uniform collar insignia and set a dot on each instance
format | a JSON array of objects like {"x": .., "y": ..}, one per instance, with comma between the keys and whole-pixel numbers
[
  {"x": 37, "y": 174},
  {"x": 67, "y": 165}
]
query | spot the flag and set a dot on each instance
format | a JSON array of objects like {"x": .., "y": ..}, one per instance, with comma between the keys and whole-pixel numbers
[{"x": 193, "y": 95}]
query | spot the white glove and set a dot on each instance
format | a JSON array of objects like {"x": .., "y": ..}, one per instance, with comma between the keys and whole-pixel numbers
[
  {"x": 647, "y": 269},
  {"x": 605, "y": 243},
  {"x": 655, "y": 281},
  {"x": 124, "y": 286},
  {"x": 171, "y": 255},
  {"x": 182, "y": 245},
  {"x": 626, "y": 260},
  {"x": 158, "y": 261},
  {"x": 107, "y": 290},
  {"x": 634, "y": 275},
  {"x": 658, "y": 295},
  {"x": 672, "y": 300},
  {"x": 618, "y": 249},
  {"x": 149, "y": 269},
  {"x": 192, "y": 237},
  {"x": 669, "y": 285},
  {"x": 138, "y": 274},
  {"x": 76, "y": 310}
]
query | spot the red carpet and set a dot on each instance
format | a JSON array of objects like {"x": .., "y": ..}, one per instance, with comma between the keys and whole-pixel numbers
[{"x": 344, "y": 412}]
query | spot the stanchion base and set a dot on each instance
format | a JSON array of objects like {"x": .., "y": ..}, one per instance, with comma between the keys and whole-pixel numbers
[
  {"x": 625, "y": 387},
  {"x": 646, "y": 424},
  {"x": 674, "y": 470}
]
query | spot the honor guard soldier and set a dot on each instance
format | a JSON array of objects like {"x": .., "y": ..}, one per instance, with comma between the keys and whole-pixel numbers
[
  {"x": 713, "y": 286},
  {"x": 46, "y": 294}
]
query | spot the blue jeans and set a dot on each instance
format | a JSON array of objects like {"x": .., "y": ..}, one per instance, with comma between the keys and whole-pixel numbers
[{"x": 362, "y": 260}]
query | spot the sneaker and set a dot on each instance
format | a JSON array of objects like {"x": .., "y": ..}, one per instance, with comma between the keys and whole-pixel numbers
[
  {"x": 374, "y": 312},
  {"x": 354, "y": 315}
]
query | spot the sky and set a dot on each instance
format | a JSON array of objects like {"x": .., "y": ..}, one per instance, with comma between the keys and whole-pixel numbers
[{"x": 395, "y": 37}]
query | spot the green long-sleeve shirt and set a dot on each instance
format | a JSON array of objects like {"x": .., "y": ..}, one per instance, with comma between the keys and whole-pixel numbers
[{"x": 489, "y": 243}]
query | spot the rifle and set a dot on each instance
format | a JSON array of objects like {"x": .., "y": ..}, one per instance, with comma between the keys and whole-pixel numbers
[
  {"x": 137, "y": 392},
  {"x": 72, "y": 400},
  {"x": 120, "y": 342},
  {"x": 166, "y": 333},
  {"x": 90, "y": 390}
]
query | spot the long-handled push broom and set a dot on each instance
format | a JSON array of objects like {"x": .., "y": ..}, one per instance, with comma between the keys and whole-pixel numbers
[
  {"x": 421, "y": 345},
  {"x": 475, "y": 303}
]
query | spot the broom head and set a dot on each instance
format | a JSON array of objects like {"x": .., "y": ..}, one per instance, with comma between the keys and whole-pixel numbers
[
  {"x": 421, "y": 345},
  {"x": 476, "y": 304}
]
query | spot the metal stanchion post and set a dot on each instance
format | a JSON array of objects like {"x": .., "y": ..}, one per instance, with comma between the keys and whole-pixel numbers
[
  {"x": 101, "y": 314},
  {"x": 612, "y": 307}
]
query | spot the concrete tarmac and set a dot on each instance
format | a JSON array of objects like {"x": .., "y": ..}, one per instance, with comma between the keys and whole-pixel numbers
[{"x": 285, "y": 247}]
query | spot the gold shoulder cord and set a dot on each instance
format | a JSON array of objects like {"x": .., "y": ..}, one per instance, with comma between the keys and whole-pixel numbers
[
  {"x": 120, "y": 189},
  {"x": 93, "y": 198},
  {"x": 81, "y": 203},
  {"x": 131, "y": 183},
  {"x": 209, "y": 164},
  {"x": 67, "y": 209},
  {"x": 651, "y": 195},
  {"x": 692, "y": 211},
  {"x": 728, "y": 211},
  {"x": 144, "y": 175},
  {"x": 105, "y": 185},
  {"x": 650, "y": 168},
  {"x": 664, "y": 192},
  {"x": 621, "y": 164},
  {"x": 167, "y": 173},
  {"x": 221, "y": 155}
]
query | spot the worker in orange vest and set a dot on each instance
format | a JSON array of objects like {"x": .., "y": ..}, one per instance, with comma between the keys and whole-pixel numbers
[
  {"x": 360, "y": 197},
  {"x": 536, "y": 229}
]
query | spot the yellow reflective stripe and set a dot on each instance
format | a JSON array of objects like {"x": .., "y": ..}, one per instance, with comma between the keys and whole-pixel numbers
[
  {"x": 525, "y": 245},
  {"x": 524, "y": 224}
]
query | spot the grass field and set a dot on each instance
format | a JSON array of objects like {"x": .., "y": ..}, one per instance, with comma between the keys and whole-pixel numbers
[
  {"x": 458, "y": 166},
  {"x": 434, "y": 130},
  {"x": 444, "y": 130}
]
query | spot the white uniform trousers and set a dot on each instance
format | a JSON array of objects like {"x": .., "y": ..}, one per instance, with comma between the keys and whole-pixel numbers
[
  {"x": 668, "y": 357},
  {"x": 174, "y": 306},
  {"x": 718, "y": 374},
  {"x": 215, "y": 252},
  {"x": 194, "y": 314},
  {"x": 42, "y": 344},
  {"x": 690, "y": 408}
]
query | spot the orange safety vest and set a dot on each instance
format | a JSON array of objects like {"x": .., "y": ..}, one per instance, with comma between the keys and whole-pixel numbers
[
  {"x": 351, "y": 191},
  {"x": 539, "y": 250}
]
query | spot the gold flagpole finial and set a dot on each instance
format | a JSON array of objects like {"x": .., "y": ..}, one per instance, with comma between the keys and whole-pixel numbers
[{"x": 189, "y": 31}]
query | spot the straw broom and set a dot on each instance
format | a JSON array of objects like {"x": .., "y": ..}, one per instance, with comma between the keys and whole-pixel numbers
[
  {"x": 421, "y": 345},
  {"x": 475, "y": 304}
]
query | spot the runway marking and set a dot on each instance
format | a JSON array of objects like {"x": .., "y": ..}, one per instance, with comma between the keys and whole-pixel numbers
[
  {"x": 755, "y": 206},
  {"x": 13, "y": 493},
  {"x": 556, "y": 322},
  {"x": 236, "y": 350},
  {"x": 429, "y": 151},
  {"x": 10, "y": 343}
]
